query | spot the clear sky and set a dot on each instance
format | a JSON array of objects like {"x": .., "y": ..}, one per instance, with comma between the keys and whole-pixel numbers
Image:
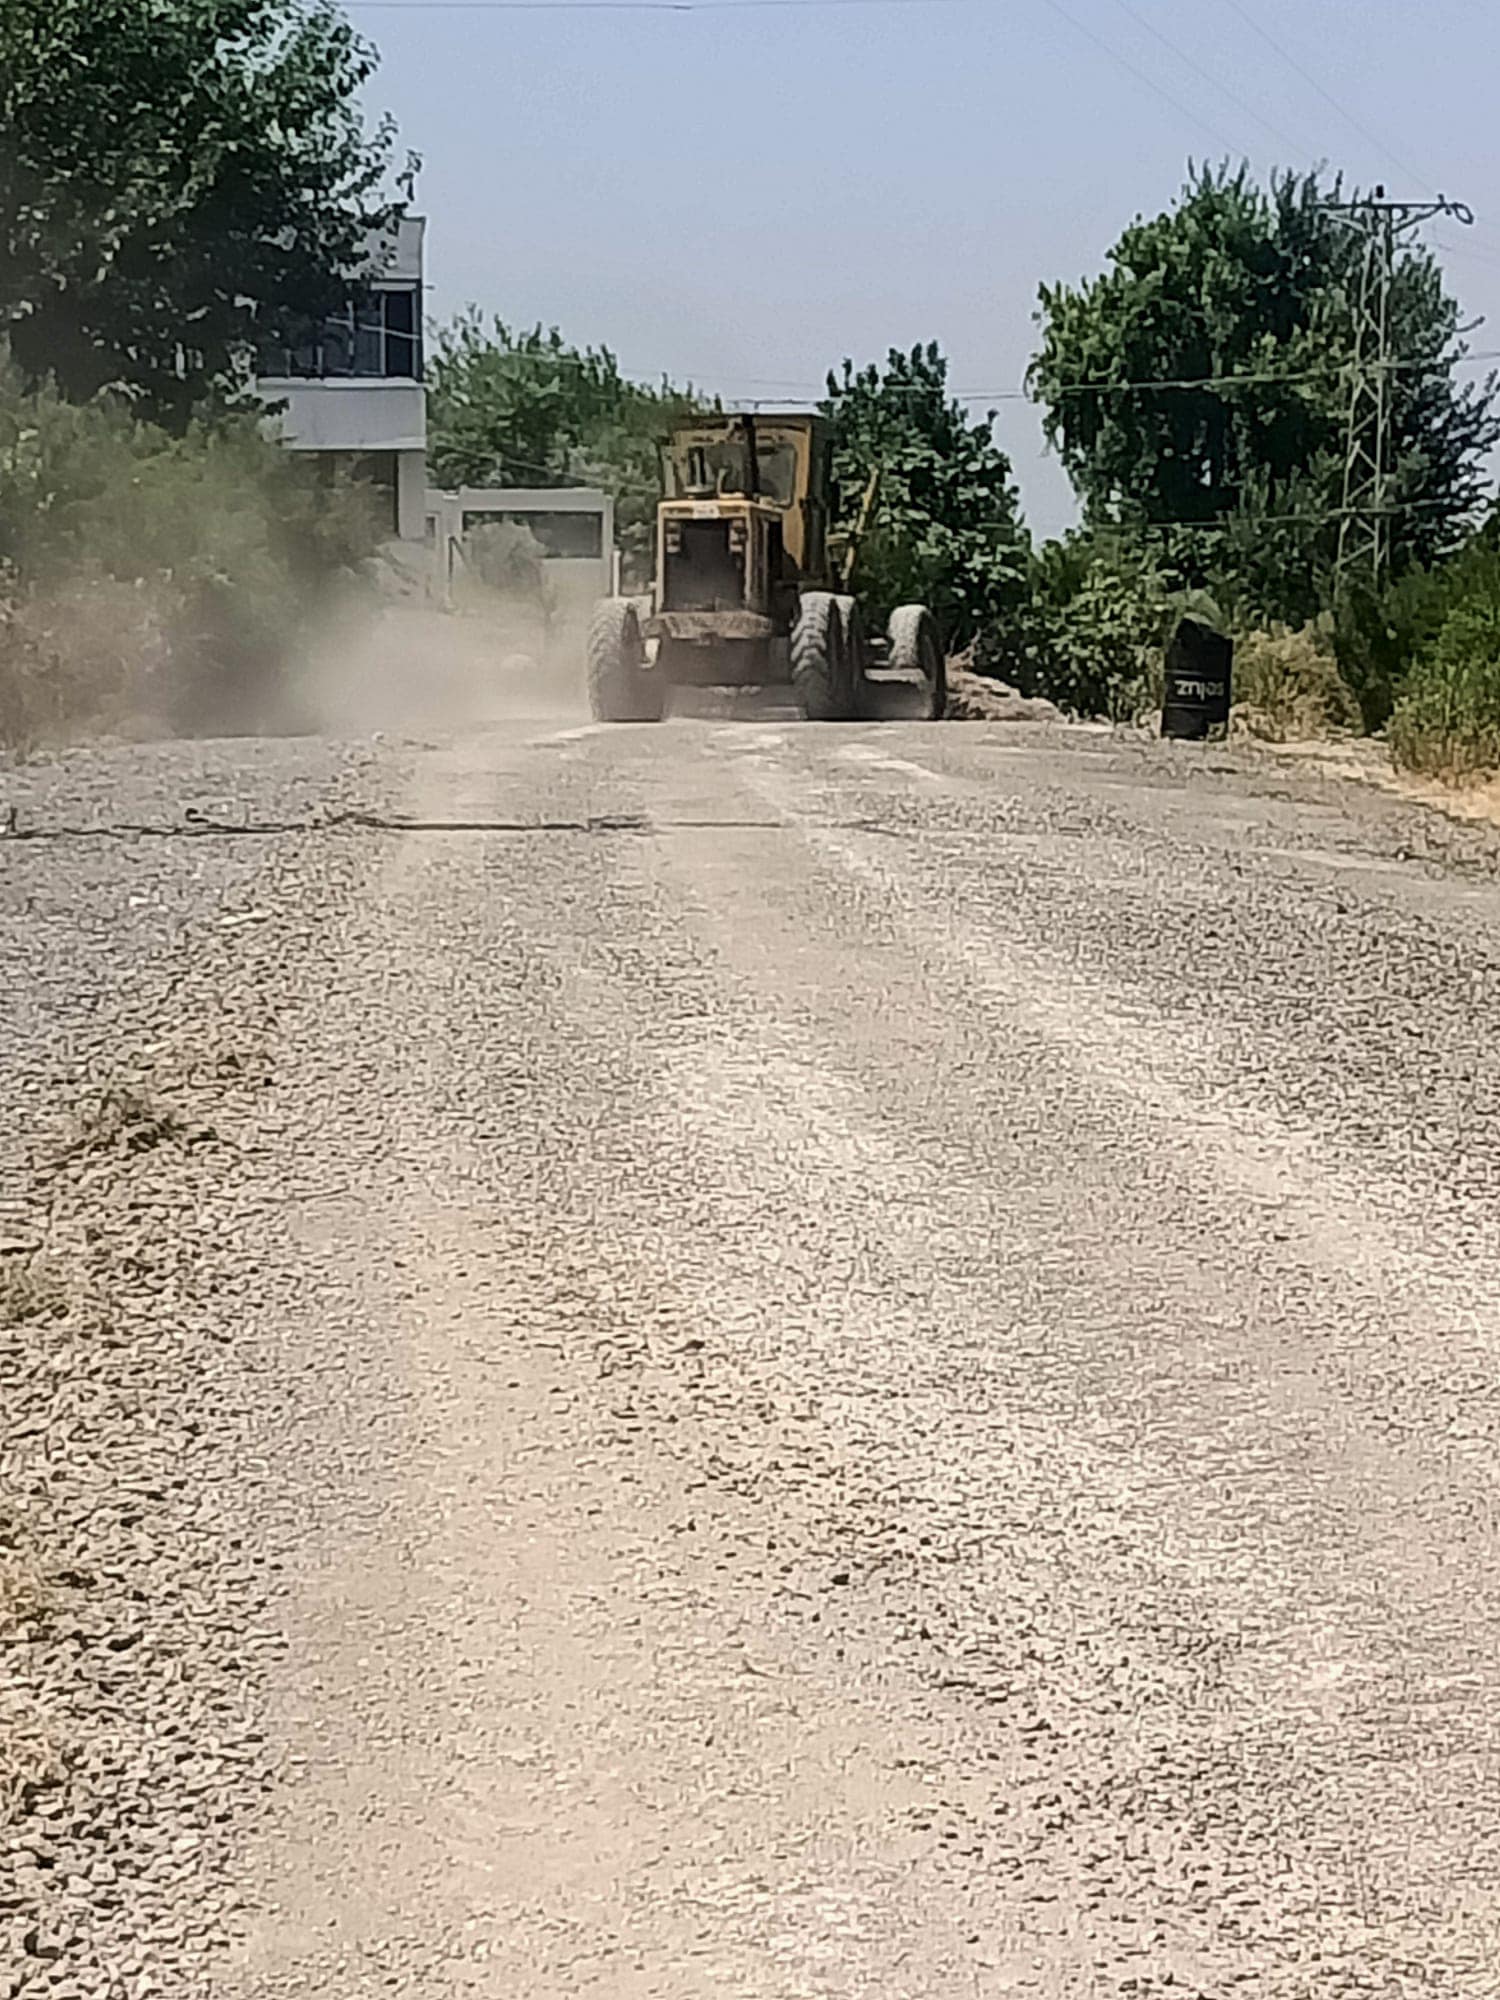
[{"x": 741, "y": 195}]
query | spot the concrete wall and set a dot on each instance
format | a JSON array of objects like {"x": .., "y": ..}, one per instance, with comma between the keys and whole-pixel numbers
[
  {"x": 353, "y": 417},
  {"x": 348, "y": 413},
  {"x": 398, "y": 257},
  {"x": 411, "y": 495},
  {"x": 579, "y": 582}
]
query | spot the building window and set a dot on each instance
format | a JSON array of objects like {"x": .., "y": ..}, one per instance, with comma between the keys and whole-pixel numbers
[{"x": 377, "y": 337}]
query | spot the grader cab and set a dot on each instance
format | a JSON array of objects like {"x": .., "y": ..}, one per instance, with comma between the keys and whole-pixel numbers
[{"x": 745, "y": 594}]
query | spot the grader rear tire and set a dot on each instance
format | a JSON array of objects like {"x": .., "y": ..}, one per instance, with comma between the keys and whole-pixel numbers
[
  {"x": 915, "y": 647},
  {"x": 856, "y": 657},
  {"x": 820, "y": 661},
  {"x": 621, "y": 686}
]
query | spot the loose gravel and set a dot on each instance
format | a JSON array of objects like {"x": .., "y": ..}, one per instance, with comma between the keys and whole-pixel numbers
[
  {"x": 147, "y": 982},
  {"x": 849, "y": 1363}
]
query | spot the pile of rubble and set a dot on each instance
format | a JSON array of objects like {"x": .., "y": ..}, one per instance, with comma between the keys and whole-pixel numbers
[{"x": 974, "y": 698}]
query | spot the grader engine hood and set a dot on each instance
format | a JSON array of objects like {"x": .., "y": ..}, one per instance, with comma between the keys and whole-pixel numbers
[
  {"x": 706, "y": 555},
  {"x": 714, "y": 570}
]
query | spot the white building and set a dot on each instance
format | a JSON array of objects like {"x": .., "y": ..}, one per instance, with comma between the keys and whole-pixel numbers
[{"x": 355, "y": 390}]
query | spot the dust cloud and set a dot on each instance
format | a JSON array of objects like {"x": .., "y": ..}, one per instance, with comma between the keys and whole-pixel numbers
[{"x": 400, "y": 667}]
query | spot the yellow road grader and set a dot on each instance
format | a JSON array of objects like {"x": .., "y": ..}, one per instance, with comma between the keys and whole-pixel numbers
[{"x": 746, "y": 595}]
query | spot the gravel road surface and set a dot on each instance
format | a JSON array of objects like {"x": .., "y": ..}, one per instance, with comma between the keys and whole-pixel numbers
[{"x": 741, "y": 1361}]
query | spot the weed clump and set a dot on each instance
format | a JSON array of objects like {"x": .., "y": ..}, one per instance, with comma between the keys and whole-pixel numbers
[
  {"x": 1447, "y": 724},
  {"x": 123, "y": 1119},
  {"x": 30, "y": 1290},
  {"x": 1288, "y": 687},
  {"x": 158, "y": 582}
]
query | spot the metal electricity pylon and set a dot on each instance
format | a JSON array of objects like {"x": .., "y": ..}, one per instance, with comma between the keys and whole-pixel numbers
[{"x": 1365, "y": 518}]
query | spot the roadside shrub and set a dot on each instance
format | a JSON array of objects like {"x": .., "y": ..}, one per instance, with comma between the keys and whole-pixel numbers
[
  {"x": 1288, "y": 686},
  {"x": 1448, "y": 721},
  {"x": 158, "y": 578},
  {"x": 1101, "y": 654},
  {"x": 1380, "y": 636},
  {"x": 81, "y": 654}
]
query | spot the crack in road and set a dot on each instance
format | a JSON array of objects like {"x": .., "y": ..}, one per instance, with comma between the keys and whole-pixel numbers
[{"x": 192, "y": 828}]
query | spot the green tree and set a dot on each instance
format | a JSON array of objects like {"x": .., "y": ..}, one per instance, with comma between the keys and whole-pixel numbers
[
  {"x": 524, "y": 407},
  {"x": 946, "y": 529},
  {"x": 1250, "y": 289},
  {"x": 177, "y": 178}
]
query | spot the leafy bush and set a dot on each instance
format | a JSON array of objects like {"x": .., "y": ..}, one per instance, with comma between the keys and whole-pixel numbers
[
  {"x": 1448, "y": 720},
  {"x": 1380, "y": 636},
  {"x": 1288, "y": 686},
  {"x": 146, "y": 574},
  {"x": 1100, "y": 611},
  {"x": 1104, "y": 642},
  {"x": 77, "y": 656}
]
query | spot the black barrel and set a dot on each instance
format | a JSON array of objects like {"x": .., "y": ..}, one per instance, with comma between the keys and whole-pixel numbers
[{"x": 1200, "y": 669}]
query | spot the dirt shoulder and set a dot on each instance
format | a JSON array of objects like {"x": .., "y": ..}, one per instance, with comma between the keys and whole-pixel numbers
[{"x": 1361, "y": 760}]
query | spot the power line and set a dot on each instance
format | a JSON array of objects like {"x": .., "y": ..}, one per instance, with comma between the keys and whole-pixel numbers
[
  {"x": 747, "y": 6},
  {"x": 1183, "y": 56},
  {"x": 1078, "y": 26},
  {"x": 1479, "y": 255},
  {"x": 1371, "y": 138},
  {"x": 1309, "y": 520},
  {"x": 1249, "y": 379},
  {"x": 1141, "y": 75},
  {"x": 1327, "y": 96}
]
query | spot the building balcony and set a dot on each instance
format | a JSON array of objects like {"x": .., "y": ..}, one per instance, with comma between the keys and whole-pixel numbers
[{"x": 347, "y": 413}]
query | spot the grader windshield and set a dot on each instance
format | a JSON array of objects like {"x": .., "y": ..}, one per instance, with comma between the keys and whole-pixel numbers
[{"x": 755, "y": 460}]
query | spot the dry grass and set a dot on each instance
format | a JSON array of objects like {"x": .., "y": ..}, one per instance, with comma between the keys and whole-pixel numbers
[
  {"x": 85, "y": 658},
  {"x": 1461, "y": 756},
  {"x": 1288, "y": 688}
]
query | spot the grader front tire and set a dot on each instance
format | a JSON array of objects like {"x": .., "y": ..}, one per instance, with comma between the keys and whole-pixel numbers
[
  {"x": 820, "y": 659},
  {"x": 622, "y": 688}
]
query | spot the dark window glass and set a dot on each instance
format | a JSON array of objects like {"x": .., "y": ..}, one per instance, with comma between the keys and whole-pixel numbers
[{"x": 378, "y": 336}]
